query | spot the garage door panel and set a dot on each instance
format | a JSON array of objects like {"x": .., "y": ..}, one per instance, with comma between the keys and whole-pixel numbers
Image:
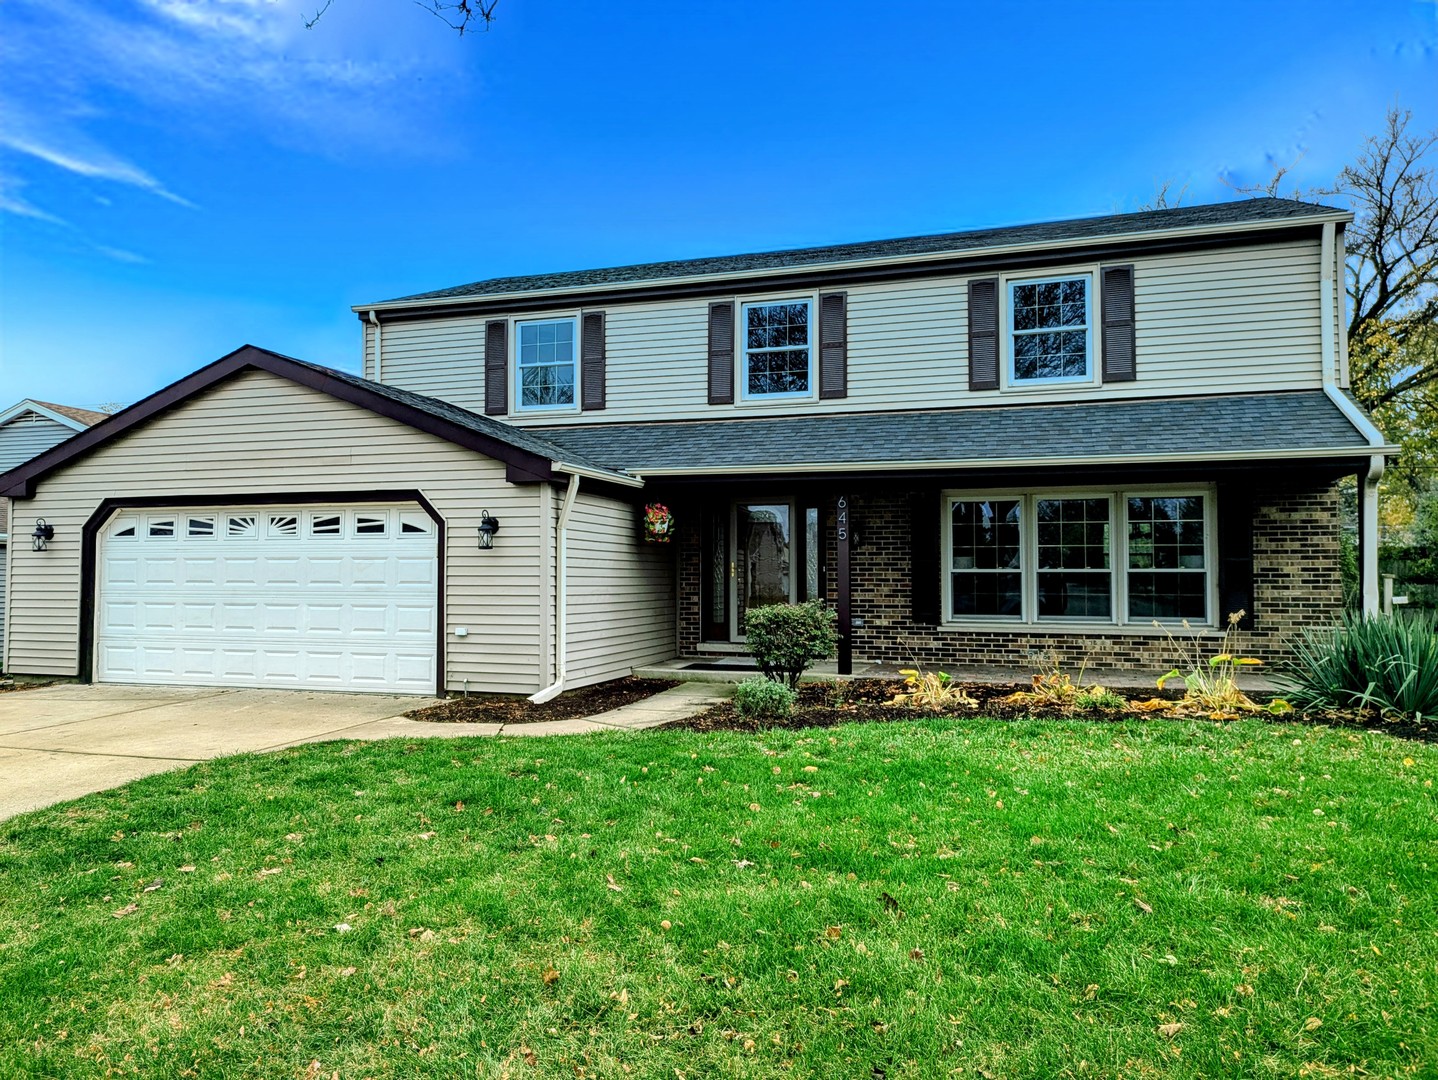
[{"x": 246, "y": 598}]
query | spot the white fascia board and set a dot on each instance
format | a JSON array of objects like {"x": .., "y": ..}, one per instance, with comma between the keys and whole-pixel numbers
[
  {"x": 739, "y": 276},
  {"x": 49, "y": 414},
  {"x": 1031, "y": 462},
  {"x": 597, "y": 474}
]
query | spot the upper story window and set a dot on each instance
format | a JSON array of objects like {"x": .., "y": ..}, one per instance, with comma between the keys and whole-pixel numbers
[
  {"x": 1050, "y": 330},
  {"x": 545, "y": 365},
  {"x": 778, "y": 359}
]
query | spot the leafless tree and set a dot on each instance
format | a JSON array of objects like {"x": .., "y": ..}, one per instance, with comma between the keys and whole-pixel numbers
[{"x": 462, "y": 16}]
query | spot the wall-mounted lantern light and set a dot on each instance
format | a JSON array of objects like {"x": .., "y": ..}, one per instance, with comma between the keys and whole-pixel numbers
[
  {"x": 488, "y": 526},
  {"x": 42, "y": 535}
]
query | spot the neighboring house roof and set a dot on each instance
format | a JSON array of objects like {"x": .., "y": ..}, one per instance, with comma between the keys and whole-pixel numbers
[
  {"x": 528, "y": 457},
  {"x": 1216, "y": 216},
  {"x": 67, "y": 416},
  {"x": 1278, "y": 425}
]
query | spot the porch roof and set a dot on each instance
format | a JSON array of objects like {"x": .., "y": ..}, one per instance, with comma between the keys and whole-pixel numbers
[{"x": 1270, "y": 426}]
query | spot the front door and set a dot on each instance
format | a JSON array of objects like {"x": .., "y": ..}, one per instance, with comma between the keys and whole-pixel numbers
[{"x": 762, "y": 561}]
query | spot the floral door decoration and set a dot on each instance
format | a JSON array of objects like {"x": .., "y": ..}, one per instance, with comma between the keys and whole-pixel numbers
[{"x": 658, "y": 523}]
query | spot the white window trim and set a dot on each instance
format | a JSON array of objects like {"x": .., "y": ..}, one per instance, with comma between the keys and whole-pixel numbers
[
  {"x": 741, "y": 339},
  {"x": 1007, "y": 380},
  {"x": 1118, "y": 557},
  {"x": 516, "y": 389}
]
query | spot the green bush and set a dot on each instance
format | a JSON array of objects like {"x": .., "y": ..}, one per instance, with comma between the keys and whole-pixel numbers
[
  {"x": 1389, "y": 663},
  {"x": 763, "y": 700},
  {"x": 786, "y": 638}
]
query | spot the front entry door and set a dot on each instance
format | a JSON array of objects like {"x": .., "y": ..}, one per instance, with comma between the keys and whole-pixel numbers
[{"x": 763, "y": 564}]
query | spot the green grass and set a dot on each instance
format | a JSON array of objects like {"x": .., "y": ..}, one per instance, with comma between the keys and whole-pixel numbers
[{"x": 874, "y": 901}]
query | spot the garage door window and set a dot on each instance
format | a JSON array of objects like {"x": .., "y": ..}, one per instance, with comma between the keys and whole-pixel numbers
[
  {"x": 200, "y": 527},
  {"x": 284, "y": 525},
  {"x": 324, "y": 524},
  {"x": 247, "y": 525},
  {"x": 162, "y": 527},
  {"x": 370, "y": 525},
  {"x": 415, "y": 524}
]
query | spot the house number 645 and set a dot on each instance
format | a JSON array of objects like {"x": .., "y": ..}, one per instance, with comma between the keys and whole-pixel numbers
[{"x": 843, "y": 517}]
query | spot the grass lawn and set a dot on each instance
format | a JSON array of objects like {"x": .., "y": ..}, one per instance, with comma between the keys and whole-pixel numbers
[{"x": 965, "y": 898}]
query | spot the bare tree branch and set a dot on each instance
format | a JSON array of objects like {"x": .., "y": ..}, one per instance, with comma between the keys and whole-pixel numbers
[{"x": 461, "y": 16}]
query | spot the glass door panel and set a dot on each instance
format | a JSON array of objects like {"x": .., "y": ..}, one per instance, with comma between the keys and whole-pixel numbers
[{"x": 763, "y": 564}]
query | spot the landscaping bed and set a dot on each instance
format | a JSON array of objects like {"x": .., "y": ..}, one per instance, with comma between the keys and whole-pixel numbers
[
  {"x": 585, "y": 701},
  {"x": 826, "y": 704}
]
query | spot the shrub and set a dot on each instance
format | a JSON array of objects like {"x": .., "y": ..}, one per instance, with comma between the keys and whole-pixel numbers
[
  {"x": 1099, "y": 699},
  {"x": 1211, "y": 686},
  {"x": 1388, "y": 663},
  {"x": 786, "y": 638},
  {"x": 763, "y": 700}
]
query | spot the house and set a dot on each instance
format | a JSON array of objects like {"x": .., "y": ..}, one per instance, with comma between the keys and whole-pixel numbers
[
  {"x": 982, "y": 447},
  {"x": 26, "y": 428}
]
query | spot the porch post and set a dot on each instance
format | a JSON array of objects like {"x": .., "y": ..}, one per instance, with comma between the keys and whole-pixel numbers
[
  {"x": 1368, "y": 533},
  {"x": 846, "y": 638}
]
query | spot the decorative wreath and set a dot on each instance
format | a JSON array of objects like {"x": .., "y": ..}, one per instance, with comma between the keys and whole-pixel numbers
[{"x": 658, "y": 523}]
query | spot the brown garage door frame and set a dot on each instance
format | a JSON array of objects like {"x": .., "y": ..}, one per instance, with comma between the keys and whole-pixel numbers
[{"x": 90, "y": 535}]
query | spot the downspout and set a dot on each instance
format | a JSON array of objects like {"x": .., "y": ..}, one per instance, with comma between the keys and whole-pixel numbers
[
  {"x": 1332, "y": 301},
  {"x": 378, "y": 337},
  {"x": 561, "y": 594}
]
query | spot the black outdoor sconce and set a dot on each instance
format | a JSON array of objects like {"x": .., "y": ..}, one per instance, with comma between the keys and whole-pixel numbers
[
  {"x": 488, "y": 526},
  {"x": 42, "y": 535}
]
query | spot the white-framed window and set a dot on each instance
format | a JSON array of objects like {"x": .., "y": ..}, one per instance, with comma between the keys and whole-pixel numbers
[
  {"x": 326, "y": 524},
  {"x": 546, "y": 364},
  {"x": 376, "y": 524},
  {"x": 200, "y": 526},
  {"x": 284, "y": 525},
  {"x": 1080, "y": 556},
  {"x": 160, "y": 527},
  {"x": 1049, "y": 323},
  {"x": 777, "y": 359}
]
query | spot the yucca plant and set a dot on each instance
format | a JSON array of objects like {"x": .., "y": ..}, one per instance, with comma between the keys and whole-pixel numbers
[{"x": 1387, "y": 663}]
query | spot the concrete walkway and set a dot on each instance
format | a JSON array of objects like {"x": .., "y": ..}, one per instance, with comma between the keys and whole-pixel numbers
[{"x": 61, "y": 742}]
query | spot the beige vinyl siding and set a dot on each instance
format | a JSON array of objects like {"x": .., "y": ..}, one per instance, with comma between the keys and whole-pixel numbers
[
  {"x": 1231, "y": 321},
  {"x": 621, "y": 593},
  {"x": 4, "y": 558},
  {"x": 261, "y": 433}
]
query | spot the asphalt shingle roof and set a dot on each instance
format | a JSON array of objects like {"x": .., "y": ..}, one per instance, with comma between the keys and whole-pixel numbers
[
  {"x": 1239, "y": 212},
  {"x": 1217, "y": 426}
]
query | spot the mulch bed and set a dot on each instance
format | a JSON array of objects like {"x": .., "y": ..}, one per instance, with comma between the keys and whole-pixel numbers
[
  {"x": 586, "y": 701},
  {"x": 828, "y": 704}
]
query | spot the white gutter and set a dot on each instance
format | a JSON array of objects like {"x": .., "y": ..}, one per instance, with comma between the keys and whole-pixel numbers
[
  {"x": 844, "y": 264},
  {"x": 378, "y": 338},
  {"x": 1328, "y": 339},
  {"x": 597, "y": 474},
  {"x": 561, "y": 594}
]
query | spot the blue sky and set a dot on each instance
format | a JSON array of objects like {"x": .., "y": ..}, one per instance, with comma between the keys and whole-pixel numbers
[{"x": 179, "y": 177}]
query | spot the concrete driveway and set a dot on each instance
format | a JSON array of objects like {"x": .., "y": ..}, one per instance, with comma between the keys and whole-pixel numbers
[{"x": 60, "y": 742}]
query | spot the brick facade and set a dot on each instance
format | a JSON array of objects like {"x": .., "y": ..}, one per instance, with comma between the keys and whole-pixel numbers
[{"x": 1296, "y": 583}]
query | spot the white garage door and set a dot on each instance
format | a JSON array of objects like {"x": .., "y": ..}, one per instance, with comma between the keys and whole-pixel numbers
[{"x": 320, "y": 598}]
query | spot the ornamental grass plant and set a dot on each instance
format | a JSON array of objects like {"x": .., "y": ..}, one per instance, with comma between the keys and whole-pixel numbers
[{"x": 1383, "y": 663}]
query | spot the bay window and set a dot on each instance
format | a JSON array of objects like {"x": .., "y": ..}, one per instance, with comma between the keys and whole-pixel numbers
[{"x": 1079, "y": 557}]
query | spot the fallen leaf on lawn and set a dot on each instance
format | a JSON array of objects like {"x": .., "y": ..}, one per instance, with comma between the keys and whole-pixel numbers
[
  {"x": 834, "y": 933},
  {"x": 187, "y": 869},
  {"x": 1312, "y": 1024},
  {"x": 1168, "y": 1031},
  {"x": 156, "y": 884},
  {"x": 550, "y": 976},
  {"x": 346, "y": 972},
  {"x": 613, "y": 884},
  {"x": 742, "y": 864},
  {"x": 665, "y": 924},
  {"x": 128, "y": 909},
  {"x": 343, "y": 928},
  {"x": 428, "y": 835},
  {"x": 754, "y": 807},
  {"x": 227, "y": 979},
  {"x": 294, "y": 836},
  {"x": 270, "y": 870},
  {"x": 811, "y": 768},
  {"x": 1243, "y": 989},
  {"x": 916, "y": 954},
  {"x": 1142, "y": 906}
]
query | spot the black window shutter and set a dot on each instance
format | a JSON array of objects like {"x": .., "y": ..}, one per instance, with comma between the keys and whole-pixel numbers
[
  {"x": 924, "y": 579},
  {"x": 833, "y": 345},
  {"x": 1235, "y": 555},
  {"x": 984, "y": 334},
  {"x": 496, "y": 367},
  {"x": 721, "y": 353},
  {"x": 591, "y": 360},
  {"x": 1118, "y": 346}
]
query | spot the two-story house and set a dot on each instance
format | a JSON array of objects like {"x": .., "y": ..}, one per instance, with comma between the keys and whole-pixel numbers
[{"x": 980, "y": 446}]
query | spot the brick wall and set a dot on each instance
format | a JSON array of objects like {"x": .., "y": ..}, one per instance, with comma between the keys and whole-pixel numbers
[{"x": 1296, "y": 582}]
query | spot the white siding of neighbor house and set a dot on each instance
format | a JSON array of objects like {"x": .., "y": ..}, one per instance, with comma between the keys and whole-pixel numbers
[
  {"x": 261, "y": 433},
  {"x": 1235, "y": 320},
  {"x": 621, "y": 593}
]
